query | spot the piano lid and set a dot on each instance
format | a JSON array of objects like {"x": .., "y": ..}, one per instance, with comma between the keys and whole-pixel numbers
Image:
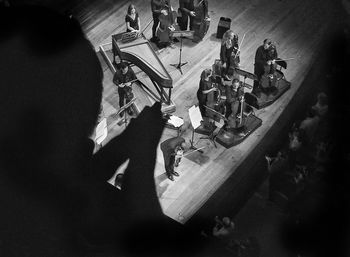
[{"x": 140, "y": 52}]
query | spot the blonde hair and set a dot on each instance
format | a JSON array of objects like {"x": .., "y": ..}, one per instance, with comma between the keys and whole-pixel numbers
[{"x": 229, "y": 33}]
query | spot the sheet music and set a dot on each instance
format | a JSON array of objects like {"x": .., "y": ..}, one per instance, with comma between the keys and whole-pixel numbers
[
  {"x": 195, "y": 116},
  {"x": 176, "y": 121}
]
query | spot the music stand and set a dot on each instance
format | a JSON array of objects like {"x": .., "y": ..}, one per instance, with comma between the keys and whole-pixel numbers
[
  {"x": 181, "y": 34},
  {"x": 124, "y": 108},
  {"x": 195, "y": 118},
  {"x": 246, "y": 74},
  {"x": 215, "y": 116}
]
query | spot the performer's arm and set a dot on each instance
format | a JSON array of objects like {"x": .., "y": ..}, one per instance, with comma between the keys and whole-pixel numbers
[
  {"x": 223, "y": 53},
  {"x": 183, "y": 9},
  {"x": 139, "y": 22},
  {"x": 156, "y": 6},
  {"x": 209, "y": 90},
  {"x": 129, "y": 27},
  {"x": 206, "y": 8},
  {"x": 116, "y": 79}
]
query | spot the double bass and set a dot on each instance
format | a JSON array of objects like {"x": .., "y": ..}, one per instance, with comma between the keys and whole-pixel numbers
[
  {"x": 167, "y": 23},
  {"x": 201, "y": 20}
]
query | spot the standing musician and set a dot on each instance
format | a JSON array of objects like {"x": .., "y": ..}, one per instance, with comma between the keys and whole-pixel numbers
[
  {"x": 201, "y": 19},
  {"x": 205, "y": 93},
  {"x": 166, "y": 25},
  {"x": 262, "y": 56},
  {"x": 187, "y": 11},
  {"x": 157, "y": 9},
  {"x": 229, "y": 54},
  {"x": 123, "y": 79},
  {"x": 233, "y": 94},
  {"x": 132, "y": 19},
  {"x": 172, "y": 149}
]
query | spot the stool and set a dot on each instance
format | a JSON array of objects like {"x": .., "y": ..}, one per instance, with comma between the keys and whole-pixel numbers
[{"x": 223, "y": 26}]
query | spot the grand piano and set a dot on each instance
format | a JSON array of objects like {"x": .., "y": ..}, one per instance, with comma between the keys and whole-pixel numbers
[{"x": 139, "y": 52}]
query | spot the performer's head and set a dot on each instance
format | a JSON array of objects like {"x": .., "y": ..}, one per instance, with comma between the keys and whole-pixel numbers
[
  {"x": 131, "y": 9},
  {"x": 235, "y": 83},
  {"x": 267, "y": 43},
  {"x": 322, "y": 99},
  {"x": 229, "y": 37},
  {"x": 226, "y": 221},
  {"x": 206, "y": 74},
  {"x": 124, "y": 67}
]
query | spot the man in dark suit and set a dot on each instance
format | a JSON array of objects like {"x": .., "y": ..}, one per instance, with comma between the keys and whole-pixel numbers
[
  {"x": 123, "y": 79},
  {"x": 262, "y": 58},
  {"x": 170, "y": 148}
]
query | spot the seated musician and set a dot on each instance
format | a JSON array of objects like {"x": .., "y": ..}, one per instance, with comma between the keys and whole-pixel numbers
[
  {"x": 172, "y": 149},
  {"x": 262, "y": 56},
  {"x": 123, "y": 78},
  {"x": 233, "y": 96},
  {"x": 229, "y": 55},
  {"x": 132, "y": 20}
]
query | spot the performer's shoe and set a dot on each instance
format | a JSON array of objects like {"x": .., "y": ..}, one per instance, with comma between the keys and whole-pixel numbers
[
  {"x": 171, "y": 177},
  {"x": 175, "y": 174},
  {"x": 175, "y": 40}
]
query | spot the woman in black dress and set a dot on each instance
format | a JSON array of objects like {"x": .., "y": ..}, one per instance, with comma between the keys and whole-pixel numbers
[
  {"x": 132, "y": 19},
  {"x": 205, "y": 87}
]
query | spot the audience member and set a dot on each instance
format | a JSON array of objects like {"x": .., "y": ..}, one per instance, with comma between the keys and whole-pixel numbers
[
  {"x": 223, "y": 229},
  {"x": 309, "y": 125},
  {"x": 321, "y": 106}
]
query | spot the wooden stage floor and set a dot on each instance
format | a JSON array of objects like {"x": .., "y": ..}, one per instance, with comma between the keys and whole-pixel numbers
[{"x": 297, "y": 27}]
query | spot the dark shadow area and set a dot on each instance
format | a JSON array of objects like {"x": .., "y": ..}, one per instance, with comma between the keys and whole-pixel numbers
[{"x": 54, "y": 192}]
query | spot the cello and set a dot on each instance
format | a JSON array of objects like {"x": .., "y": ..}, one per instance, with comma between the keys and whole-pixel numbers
[
  {"x": 270, "y": 77},
  {"x": 236, "y": 98},
  {"x": 167, "y": 23}
]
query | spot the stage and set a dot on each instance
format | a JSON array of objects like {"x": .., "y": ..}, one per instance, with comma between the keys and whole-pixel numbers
[{"x": 288, "y": 23}]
